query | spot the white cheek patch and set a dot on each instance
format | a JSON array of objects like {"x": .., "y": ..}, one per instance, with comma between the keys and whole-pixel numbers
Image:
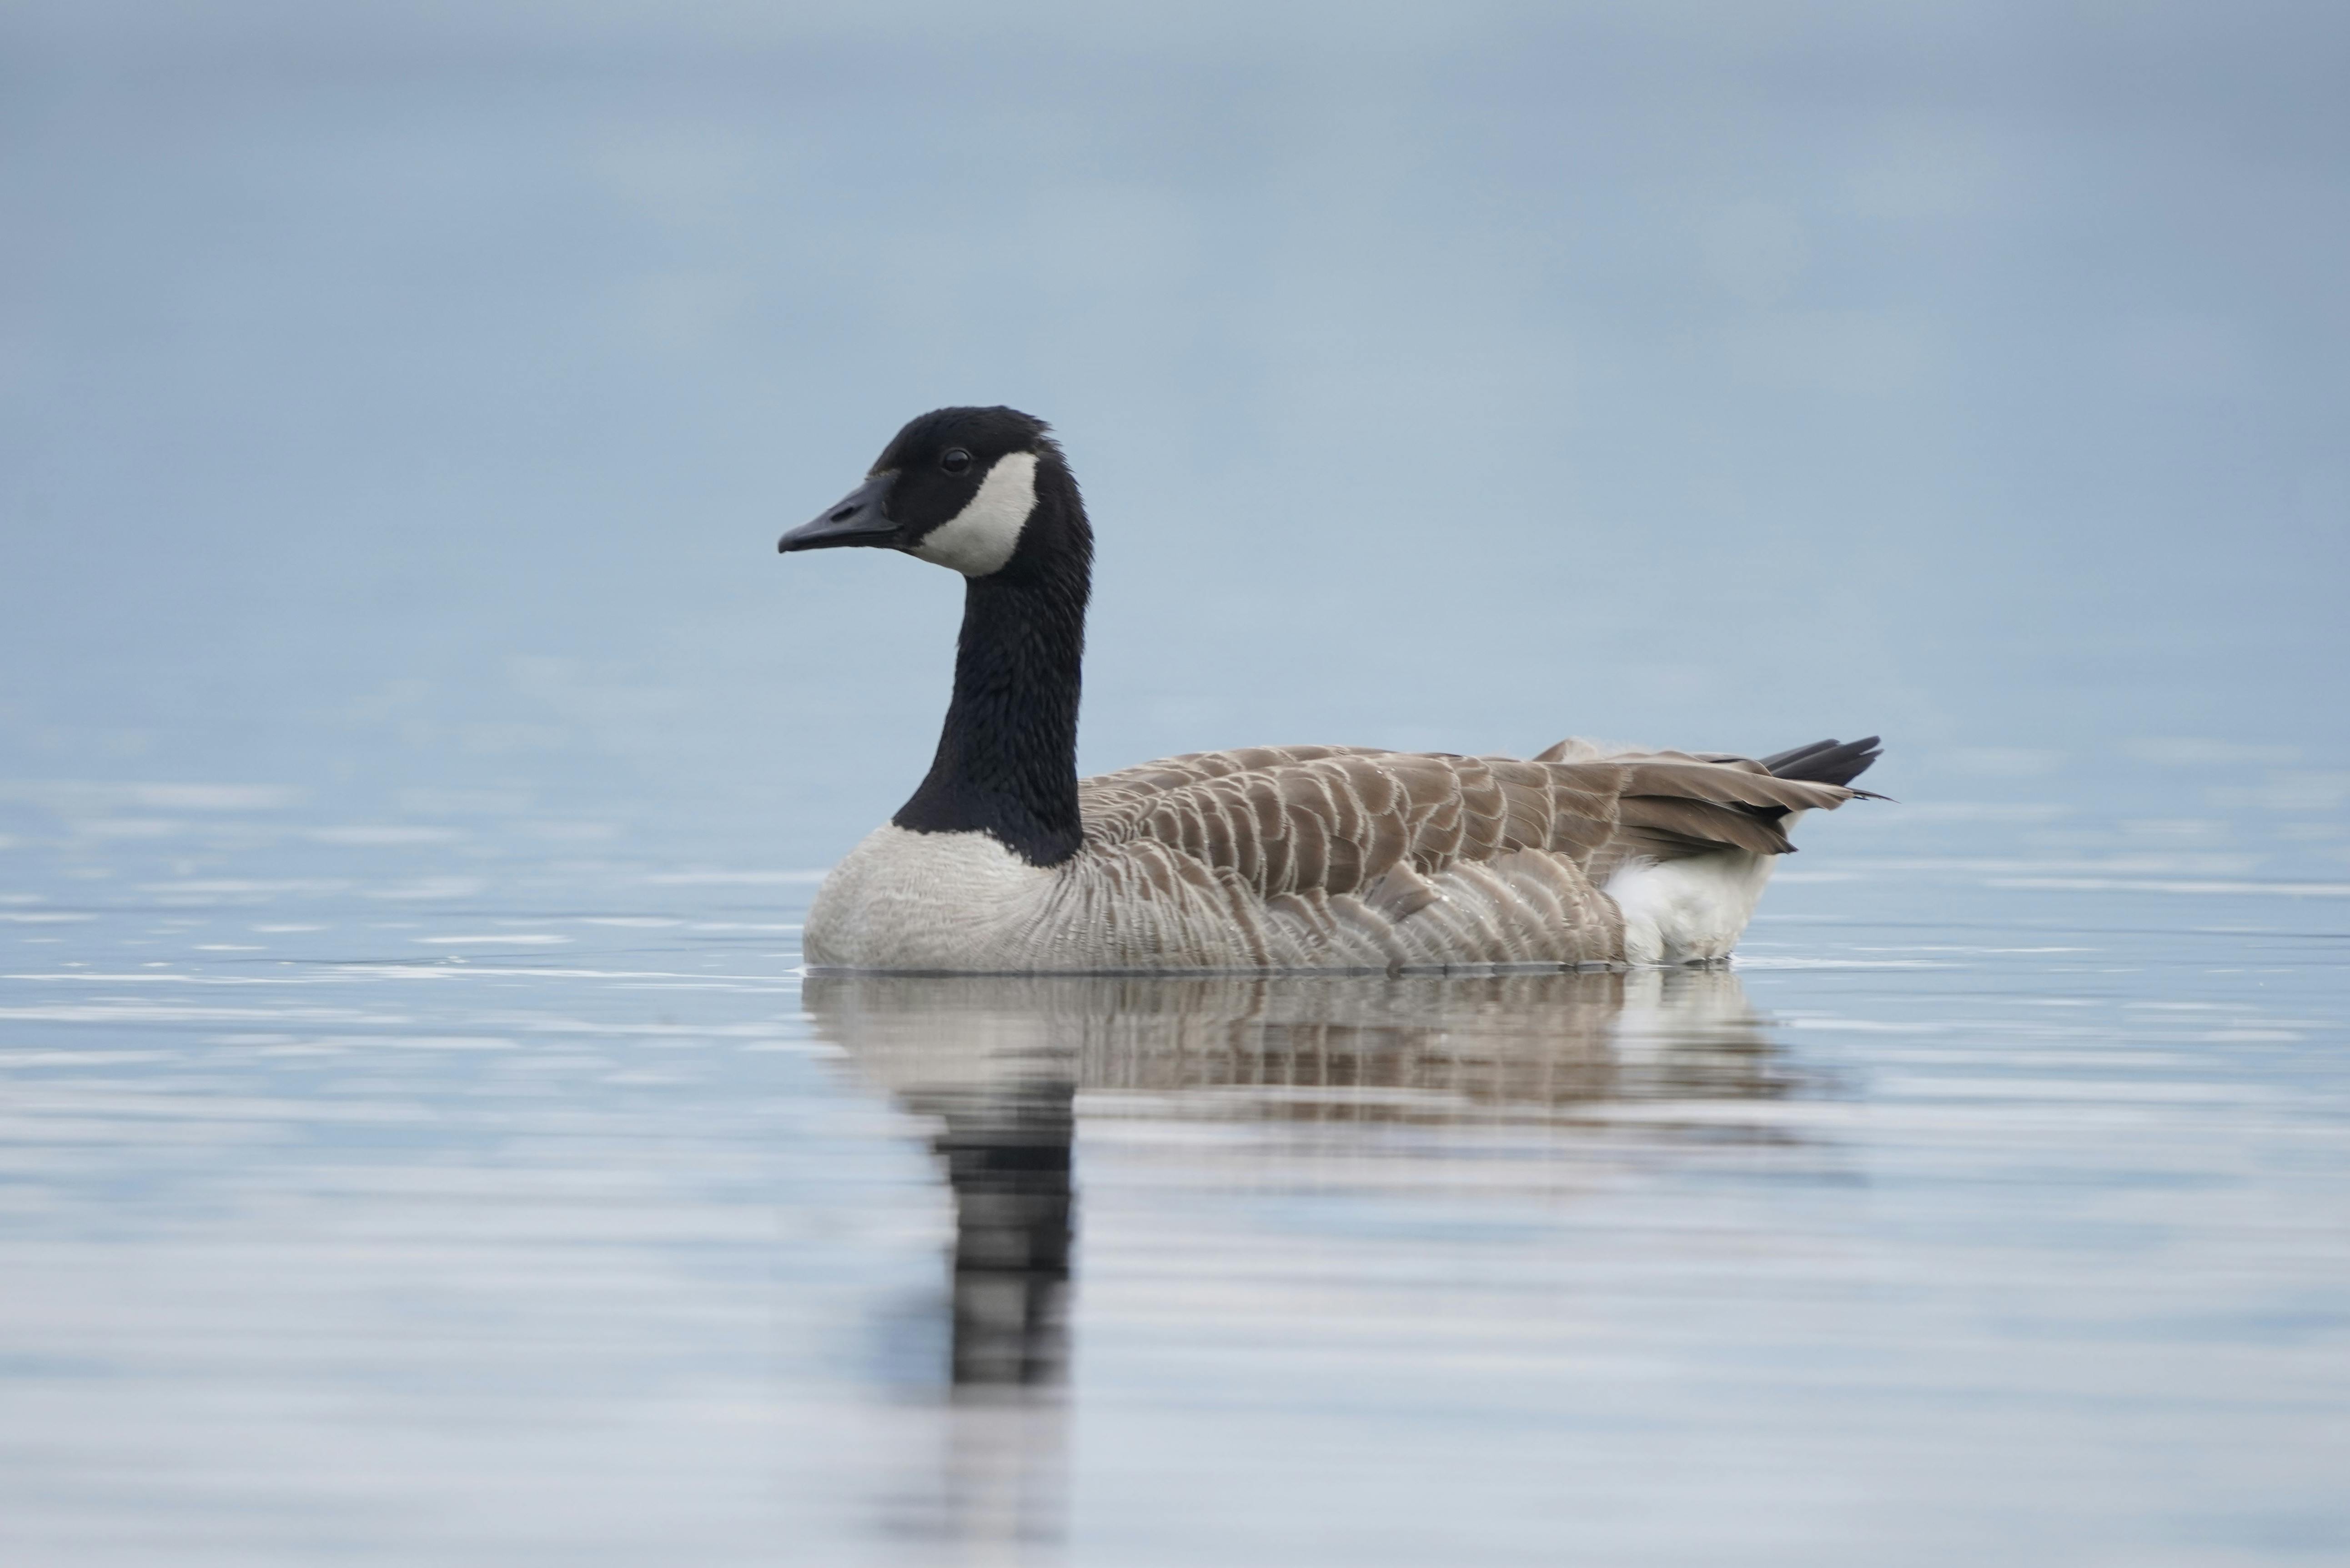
[{"x": 981, "y": 537}]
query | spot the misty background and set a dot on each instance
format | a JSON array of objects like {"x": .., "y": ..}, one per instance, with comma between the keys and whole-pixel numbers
[{"x": 402, "y": 401}]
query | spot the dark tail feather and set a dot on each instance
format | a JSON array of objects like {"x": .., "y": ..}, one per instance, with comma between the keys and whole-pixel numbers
[
  {"x": 1825, "y": 761},
  {"x": 1822, "y": 762}
]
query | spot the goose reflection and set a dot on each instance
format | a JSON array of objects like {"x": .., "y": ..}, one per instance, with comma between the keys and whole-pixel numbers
[{"x": 999, "y": 1062}]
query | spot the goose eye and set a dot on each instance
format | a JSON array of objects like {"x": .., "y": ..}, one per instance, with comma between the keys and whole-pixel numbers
[{"x": 954, "y": 459}]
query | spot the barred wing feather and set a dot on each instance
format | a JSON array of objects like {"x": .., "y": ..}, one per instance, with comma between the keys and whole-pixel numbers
[{"x": 1323, "y": 836}]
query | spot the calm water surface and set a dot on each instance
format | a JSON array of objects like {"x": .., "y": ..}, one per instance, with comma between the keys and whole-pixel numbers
[{"x": 474, "y": 1188}]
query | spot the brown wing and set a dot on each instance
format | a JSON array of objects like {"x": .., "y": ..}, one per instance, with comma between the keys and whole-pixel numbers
[
  {"x": 1338, "y": 819},
  {"x": 1678, "y": 804},
  {"x": 1110, "y": 799}
]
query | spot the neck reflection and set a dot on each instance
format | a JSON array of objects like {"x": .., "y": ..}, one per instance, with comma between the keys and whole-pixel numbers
[{"x": 1006, "y": 1153}]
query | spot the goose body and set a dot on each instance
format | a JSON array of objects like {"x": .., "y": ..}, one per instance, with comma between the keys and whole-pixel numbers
[{"x": 1272, "y": 858}]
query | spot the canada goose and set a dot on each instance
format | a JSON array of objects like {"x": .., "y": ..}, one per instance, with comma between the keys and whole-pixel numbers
[{"x": 1267, "y": 857}]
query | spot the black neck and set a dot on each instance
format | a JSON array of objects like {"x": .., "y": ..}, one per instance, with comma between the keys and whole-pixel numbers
[{"x": 1007, "y": 758}]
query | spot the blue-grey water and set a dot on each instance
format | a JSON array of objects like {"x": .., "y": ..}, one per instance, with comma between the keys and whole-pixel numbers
[
  {"x": 418, "y": 1144},
  {"x": 460, "y": 1187}
]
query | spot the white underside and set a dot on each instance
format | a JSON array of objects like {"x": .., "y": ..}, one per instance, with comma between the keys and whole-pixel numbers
[
  {"x": 1687, "y": 911},
  {"x": 962, "y": 902}
]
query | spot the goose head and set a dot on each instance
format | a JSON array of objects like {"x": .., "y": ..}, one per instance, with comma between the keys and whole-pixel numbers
[{"x": 985, "y": 492}]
